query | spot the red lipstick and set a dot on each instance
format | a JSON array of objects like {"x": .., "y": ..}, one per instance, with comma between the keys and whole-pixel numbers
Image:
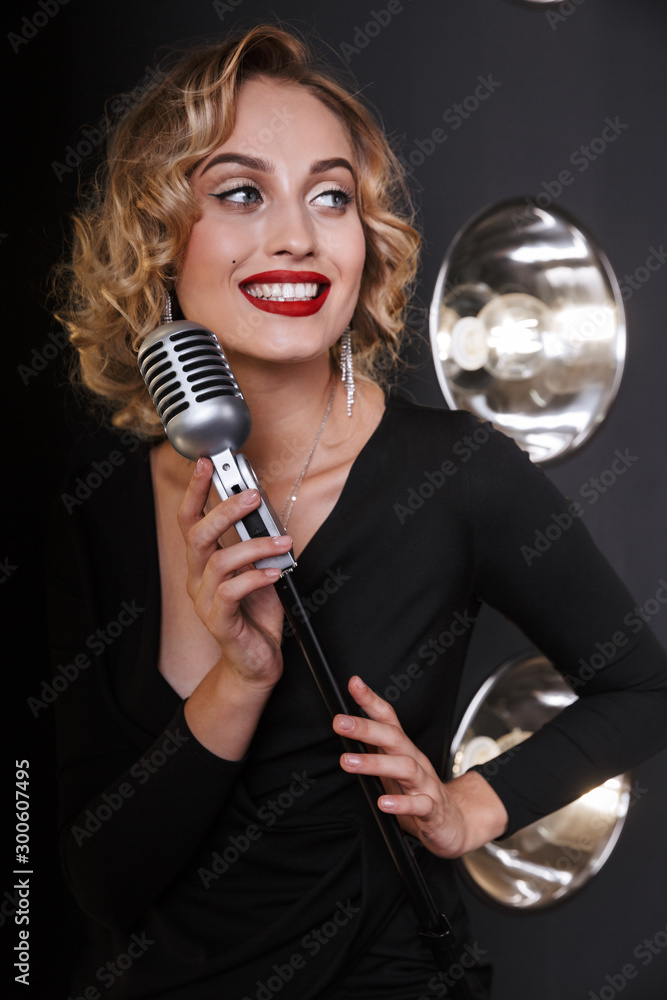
[{"x": 289, "y": 307}]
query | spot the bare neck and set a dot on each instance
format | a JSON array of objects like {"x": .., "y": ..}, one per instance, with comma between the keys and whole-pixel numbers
[{"x": 287, "y": 403}]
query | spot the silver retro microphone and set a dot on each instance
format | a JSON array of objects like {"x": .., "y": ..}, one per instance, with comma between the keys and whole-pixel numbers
[{"x": 205, "y": 415}]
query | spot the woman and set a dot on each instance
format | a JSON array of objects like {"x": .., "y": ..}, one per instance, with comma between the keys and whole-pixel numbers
[{"x": 211, "y": 829}]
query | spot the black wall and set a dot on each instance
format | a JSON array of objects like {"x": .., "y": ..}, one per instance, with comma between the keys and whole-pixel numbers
[{"x": 557, "y": 74}]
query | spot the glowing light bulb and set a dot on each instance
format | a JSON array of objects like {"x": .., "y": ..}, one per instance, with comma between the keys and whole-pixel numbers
[{"x": 517, "y": 327}]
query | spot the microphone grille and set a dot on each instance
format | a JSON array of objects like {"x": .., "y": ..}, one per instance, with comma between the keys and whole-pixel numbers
[{"x": 182, "y": 363}]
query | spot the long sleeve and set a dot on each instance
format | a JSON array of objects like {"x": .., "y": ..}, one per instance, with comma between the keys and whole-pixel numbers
[
  {"x": 536, "y": 563},
  {"x": 138, "y": 793}
]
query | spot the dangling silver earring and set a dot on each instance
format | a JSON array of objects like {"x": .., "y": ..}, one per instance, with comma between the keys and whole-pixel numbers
[
  {"x": 167, "y": 312},
  {"x": 347, "y": 369}
]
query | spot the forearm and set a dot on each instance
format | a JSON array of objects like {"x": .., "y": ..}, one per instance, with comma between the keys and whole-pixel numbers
[
  {"x": 126, "y": 845},
  {"x": 223, "y": 712},
  {"x": 601, "y": 735}
]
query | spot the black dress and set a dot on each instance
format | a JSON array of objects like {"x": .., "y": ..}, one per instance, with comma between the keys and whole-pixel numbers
[{"x": 246, "y": 880}]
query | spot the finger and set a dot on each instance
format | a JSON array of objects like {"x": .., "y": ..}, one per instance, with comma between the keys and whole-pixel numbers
[
  {"x": 207, "y": 529},
  {"x": 230, "y": 572},
  {"x": 403, "y": 769},
  {"x": 190, "y": 512},
  {"x": 401, "y": 775},
  {"x": 422, "y": 806},
  {"x": 225, "y": 609},
  {"x": 194, "y": 501},
  {"x": 388, "y": 737},
  {"x": 374, "y": 706},
  {"x": 236, "y": 559},
  {"x": 203, "y": 535}
]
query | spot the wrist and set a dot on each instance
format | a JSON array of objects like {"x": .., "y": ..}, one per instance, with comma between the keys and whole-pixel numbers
[
  {"x": 223, "y": 711},
  {"x": 483, "y": 815}
]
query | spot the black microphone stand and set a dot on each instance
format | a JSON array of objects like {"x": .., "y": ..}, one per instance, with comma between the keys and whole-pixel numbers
[
  {"x": 231, "y": 474},
  {"x": 433, "y": 926}
]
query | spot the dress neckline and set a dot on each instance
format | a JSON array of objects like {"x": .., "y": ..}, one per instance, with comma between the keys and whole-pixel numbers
[
  {"x": 151, "y": 638},
  {"x": 348, "y": 485}
]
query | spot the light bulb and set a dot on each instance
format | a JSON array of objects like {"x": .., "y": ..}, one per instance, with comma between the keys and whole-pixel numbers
[{"x": 517, "y": 328}]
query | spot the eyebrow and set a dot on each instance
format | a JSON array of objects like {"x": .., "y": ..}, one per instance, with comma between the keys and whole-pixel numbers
[
  {"x": 256, "y": 163},
  {"x": 251, "y": 162},
  {"x": 322, "y": 166}
]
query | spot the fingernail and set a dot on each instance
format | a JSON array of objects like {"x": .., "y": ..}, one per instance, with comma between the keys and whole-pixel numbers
[
  {"x": 360, "y": 684},
  {"x": 249, "y": 497},
  {"x": 345, "y": 722},
  {"x": 272, "y": 573},
  {"x": 199, "y": 467},
  {"x": 351, "y": 759},
  {"x": 282, "y": 540},
  {"x": 387, "y": 803}
]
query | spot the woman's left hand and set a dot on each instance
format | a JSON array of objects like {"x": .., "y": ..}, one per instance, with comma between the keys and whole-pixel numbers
[{"x": 450, "y": 818}]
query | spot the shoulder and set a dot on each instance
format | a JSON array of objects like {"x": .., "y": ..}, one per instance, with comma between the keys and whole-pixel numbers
[
  {"x": 481, "y": 461},
  {"x": 102, "y": 525},
  {"x": 103, "y": 471},
  {"x": 458, "y": 434},
  {"x": 414, "y": 421},
  {"x": 105, "y": 495}
]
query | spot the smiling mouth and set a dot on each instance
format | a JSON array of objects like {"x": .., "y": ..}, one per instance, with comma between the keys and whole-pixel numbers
[{"x": 287, "y": 293}]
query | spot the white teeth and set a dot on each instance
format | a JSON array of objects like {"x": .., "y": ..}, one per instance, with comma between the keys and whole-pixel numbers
[{"x": 281, "y": 291}]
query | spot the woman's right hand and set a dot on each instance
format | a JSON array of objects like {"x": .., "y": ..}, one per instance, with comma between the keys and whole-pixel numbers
[{"x": 235, "y": 601}]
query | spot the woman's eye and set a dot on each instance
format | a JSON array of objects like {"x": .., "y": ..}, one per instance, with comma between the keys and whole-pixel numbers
[
  {"x": 246, "y": 195},
  {"x": 336, "y": 198}
]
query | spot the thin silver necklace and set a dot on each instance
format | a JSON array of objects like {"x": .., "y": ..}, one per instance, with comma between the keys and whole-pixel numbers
[{"x": 286, "y": 512}]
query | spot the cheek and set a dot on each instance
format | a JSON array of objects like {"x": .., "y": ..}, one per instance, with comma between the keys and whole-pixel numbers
[
  {"x": 196, "y": 261},
  {"x": 211, "y": 256}
]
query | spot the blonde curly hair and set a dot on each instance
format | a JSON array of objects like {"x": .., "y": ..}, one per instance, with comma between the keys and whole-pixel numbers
[{"x": 137, "y": 216}]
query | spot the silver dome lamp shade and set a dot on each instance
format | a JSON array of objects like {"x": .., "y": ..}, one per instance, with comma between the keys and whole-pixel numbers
[{"x": 528, "y": 328}]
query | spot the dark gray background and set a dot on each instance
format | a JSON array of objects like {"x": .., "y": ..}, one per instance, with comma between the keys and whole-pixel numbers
[{"x": 562, "y": 71}]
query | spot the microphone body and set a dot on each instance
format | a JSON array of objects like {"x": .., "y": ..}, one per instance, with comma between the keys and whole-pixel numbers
[{"x": 205, "y": 415}]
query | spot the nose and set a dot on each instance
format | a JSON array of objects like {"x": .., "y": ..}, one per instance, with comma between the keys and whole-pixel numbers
[{"x": 291, "y": 231}]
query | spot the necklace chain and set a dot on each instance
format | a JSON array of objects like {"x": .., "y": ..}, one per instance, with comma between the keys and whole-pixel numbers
[{"x": 286, "y": 512}]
